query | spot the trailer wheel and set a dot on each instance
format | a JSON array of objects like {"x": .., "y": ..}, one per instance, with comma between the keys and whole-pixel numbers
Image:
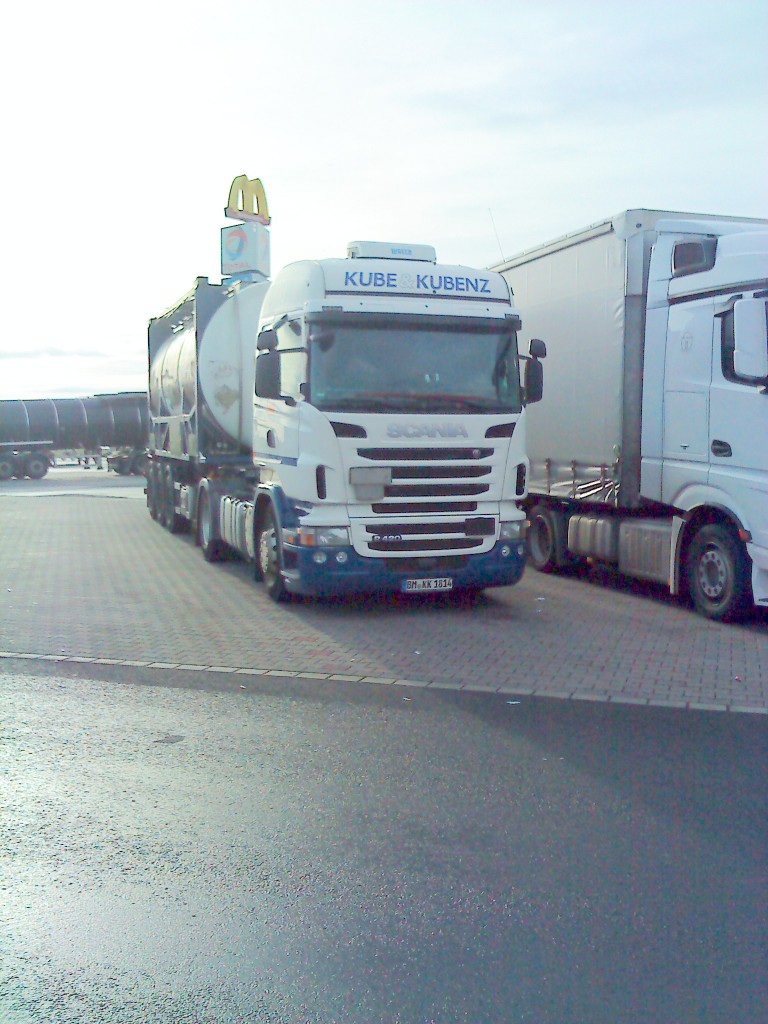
[
  {"x": 718, "y": 573},
  {"x": 171, "y": 521},
  {"x": 211, "y": 547},
  {"x": 7, "y": 468},
  {"x": 269, "y": 558},
  {"x": 152, "y": 495},
  {"x": 544, "y": 530},
  {"x": 36, "y": 466}
]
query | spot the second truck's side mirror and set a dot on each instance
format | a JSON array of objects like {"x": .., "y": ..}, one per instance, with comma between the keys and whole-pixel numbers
[
  {"x": 533, "y": 375},
  {"x": 268, "y": 374}
]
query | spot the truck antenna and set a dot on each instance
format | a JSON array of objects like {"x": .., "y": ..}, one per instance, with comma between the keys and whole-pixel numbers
[{"x": 498, "y": 241}]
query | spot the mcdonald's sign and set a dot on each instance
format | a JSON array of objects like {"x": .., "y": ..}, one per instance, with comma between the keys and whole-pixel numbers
[{"x": 247, "y": 200}]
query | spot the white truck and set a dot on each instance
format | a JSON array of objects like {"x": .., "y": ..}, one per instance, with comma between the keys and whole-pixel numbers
[
  {"x": 376, "y": 442},
  {"x": 650, "y": 449}
]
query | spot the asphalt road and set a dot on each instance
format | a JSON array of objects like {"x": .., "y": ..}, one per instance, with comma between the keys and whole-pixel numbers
[
  {"x": 322, "y": 852},
  {"x": 288, "y": 832}
]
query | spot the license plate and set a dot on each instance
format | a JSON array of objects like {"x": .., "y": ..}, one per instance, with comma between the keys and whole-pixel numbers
[{"x": 439, "y": 583}]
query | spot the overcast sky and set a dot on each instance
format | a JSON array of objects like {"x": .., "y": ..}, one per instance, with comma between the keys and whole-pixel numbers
[{"x": 437, "y": 121}]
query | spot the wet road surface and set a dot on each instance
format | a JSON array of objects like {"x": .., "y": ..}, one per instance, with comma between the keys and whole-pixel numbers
[{"x": 254, "y": 851}]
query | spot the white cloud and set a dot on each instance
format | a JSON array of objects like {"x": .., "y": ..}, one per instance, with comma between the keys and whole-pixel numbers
[{"x": 406, "y": 120}]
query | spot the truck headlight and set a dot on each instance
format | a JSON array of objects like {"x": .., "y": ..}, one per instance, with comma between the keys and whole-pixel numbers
[
  {"x": 318, "y": 536},
  {"x": 512, "y": 531}
]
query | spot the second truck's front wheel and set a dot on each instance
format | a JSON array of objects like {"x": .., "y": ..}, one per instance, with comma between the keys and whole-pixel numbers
[
  {"x": 269, "y": 558},
  {"x": 543, "y": 535},
  {"x": 718, "y": 573}
]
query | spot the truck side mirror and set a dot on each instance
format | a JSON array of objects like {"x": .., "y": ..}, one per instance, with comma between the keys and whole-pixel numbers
[
  {"x": 533, "y": 375},
  {"x": 266, "y": 341},
  {"x": 750, "y": 329},
  {"x": 537, "y": 349},
  {"x": 533, "y": 381},
  {"x": 268, "y": 374}
]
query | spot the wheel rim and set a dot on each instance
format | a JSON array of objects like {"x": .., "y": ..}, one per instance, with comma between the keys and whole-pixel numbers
[
  {"x": 168, "y": 497},
  {"x": 205, "y": 521},
  {"x": 713, "y": 573}
]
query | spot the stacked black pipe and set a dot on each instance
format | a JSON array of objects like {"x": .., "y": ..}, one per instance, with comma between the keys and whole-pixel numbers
[{"x": 113, "y": 420}]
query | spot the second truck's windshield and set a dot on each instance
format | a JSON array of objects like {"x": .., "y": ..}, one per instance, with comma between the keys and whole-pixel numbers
[{"x": 431, "y": 363}]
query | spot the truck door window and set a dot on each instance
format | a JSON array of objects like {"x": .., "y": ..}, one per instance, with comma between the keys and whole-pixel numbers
[
  {"x": 293, "y": 359},
  {"x": 693, "y": 257},
  {"x": 728, "y": 337}
]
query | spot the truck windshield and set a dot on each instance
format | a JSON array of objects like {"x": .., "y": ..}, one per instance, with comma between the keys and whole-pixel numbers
[{"x": 375, "y": 363}]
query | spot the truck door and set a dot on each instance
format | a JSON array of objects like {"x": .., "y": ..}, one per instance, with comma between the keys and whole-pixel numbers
[
  {"x": 276, "y": 423},
  {"x": 738, "y": 442},
  {"x": 687, "y": 376}
]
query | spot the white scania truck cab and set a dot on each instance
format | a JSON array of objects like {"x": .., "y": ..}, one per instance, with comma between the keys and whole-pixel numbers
[
  {"x": 388, "y": 426},
  {"x": 353, "y": 426}
]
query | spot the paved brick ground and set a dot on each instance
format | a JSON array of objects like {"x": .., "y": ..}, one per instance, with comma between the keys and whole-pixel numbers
[{"x": 93, "y": 577}]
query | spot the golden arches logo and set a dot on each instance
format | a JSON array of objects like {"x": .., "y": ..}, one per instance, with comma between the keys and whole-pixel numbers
[{"x": 247, "y": 200}]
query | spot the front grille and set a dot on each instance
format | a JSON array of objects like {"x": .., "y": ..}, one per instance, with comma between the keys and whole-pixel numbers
[
  {"x": 414, "y": 529},
  {"x": 405, "y": 536},
  {"x": 424, "y": 454},
  {"x": 444, "y": 481},
  {"x": 439, "y": 472},
  {"x": 426, "y": 544},
  {"x": 433, "y": 490},
  {"x": 388, "y": 508}
]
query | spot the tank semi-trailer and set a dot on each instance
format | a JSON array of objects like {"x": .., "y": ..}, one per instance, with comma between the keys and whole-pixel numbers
[
  {"x": 384, "y": 449},
  {"x": 650, "y": 449},
  {"x": 32, "y": 431}
]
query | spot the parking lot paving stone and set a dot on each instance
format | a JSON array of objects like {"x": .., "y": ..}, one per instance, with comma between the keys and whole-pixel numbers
[{"x": 96, "y": 580}]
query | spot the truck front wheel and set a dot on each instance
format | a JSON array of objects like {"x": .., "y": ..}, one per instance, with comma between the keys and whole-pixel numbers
[
  {"x": 269, "y": 557},
  {"x": 544, "y": 528},
  {"x": 7, "y": 468},
  {"x": 173, "y": 522},
  {"x": 718, "y": 573}
]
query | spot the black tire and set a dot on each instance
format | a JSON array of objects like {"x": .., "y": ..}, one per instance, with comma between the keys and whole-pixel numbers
[
  {"x": 544, "y": 529},
  {"x": 152, "y": 491},
  {"x": 269, "y": 557},
  {"x": 7, "y": 468},
  {"x": 163, "y": 501},
  {"x": 211, "y": 547},
  {"x": 171, "y": 521},
  {"x": 718, "y": 571},
  {"x": 36, "y": 466}
]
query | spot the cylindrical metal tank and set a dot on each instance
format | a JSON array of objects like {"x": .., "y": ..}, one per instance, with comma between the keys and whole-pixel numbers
[
  {"x": 113, "y": 420},
  {"x": 172, "y": 375},
  {"x": 226, "y": 362},
  {"x": 205, "y": 364}
]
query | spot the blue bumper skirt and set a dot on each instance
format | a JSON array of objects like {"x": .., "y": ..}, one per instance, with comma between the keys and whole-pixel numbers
[{"x": 500, "y": 567}]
